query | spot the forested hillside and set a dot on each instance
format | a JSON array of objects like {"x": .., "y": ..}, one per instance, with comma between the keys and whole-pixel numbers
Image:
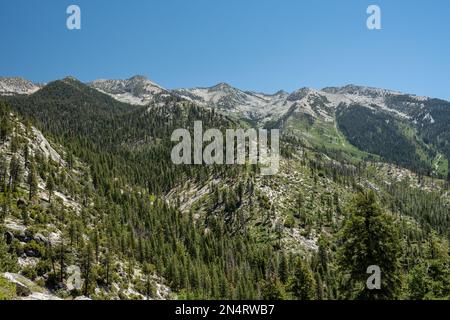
[
  {"x": 383, "y": 134},
  {"x": 97, "y": 189}
]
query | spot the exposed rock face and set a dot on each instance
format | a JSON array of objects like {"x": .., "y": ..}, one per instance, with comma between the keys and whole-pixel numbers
[
  {"x": 137, "y": 90},
  {"x": 40, "y": 238},
  {"x": 317, "y": 103},
  {"x": 12, "y": 86},
  {"x": 251, "y": 105},
  {"x": 27, "y": 289},
  {"x": 41, "y": 296},
  {"x": 14, "y": 225},
  {"x": 22, "y": 284},
  {"x": 44, "y": 146}
]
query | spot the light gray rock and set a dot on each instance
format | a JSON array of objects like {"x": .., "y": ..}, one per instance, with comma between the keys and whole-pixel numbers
[
  {"x": 41, "y": 296},
  {"x": 40, "y": 238},
  {"x": 23, "y": 285},
  {"x": 27, "y": 289}
]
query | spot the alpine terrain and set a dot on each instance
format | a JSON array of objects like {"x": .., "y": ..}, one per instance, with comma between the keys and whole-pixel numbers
[{"x": 92, "y": 207}]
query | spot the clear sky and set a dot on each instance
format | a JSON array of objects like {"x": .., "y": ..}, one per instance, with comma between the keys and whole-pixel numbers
[{"x": 262, "y": 45}]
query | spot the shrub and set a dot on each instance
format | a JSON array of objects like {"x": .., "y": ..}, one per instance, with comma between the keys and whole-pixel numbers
[
  {"x": 35, "y": 247},
  {"x": 7, "y": 289},
  {"x": 29, "y": 272},
  {"x": 289, "y": 222}
]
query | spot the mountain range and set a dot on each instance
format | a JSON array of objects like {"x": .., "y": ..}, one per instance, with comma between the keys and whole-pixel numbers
[
  {"x": 86, "y": 181},
  {"x": 401, "y": 128}
]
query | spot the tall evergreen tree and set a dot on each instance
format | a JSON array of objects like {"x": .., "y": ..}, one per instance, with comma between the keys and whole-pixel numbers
[
  {"x": 272, "y": 289},
  {"x": 32, "y": 181},
  {"x": 369, "y": 237},
  {"x": 50, "y": 187},
  {"x": 301, "y": 284},
  {"x": 8, "y": 262},
  {"x": 15, "y": 173}
]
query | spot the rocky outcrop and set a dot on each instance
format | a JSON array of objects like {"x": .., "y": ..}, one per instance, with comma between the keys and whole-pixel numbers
[
  {"x": 41, "y": 296},
  {"x": 27, "y": 289},
  {"x": 22, "y": 284},
  {"x": 16, "y": 85}
]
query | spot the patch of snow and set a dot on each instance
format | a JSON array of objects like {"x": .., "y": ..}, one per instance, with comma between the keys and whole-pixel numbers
[
  {"x": 429, "y": 117},
  {"x": 13, "y": 86},
  {"x": 137, "y": 90}
]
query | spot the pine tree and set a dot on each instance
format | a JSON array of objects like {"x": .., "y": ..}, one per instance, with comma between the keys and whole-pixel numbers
[
  {"x": 51, "y": 256},
  {"x": 87, "y": 262},
  {"x": 61, "y": 262},
  {"x": 430, "y": 278},
  {"x": 26, "y": 154},
  {"x": 50, "y": 187},
  {"x": 148, "y": 272},
  {"x": 32, "y": 181},
  {"x": 369, "y": 237},
  {"x": 15, "y": 173},
  {"x": 5, "y": 122},
  {"x": 107, "y": 263},
  {"x": 283, "y": 268},
  {"x": 8, "y": 262},
  {"x": 272, "y": 289},
  {"x": 448, "y": 176},
  {"x": 322, "y": 255},
  {"x": 3, "y": 172},
  {"x": 301, "y": 284}
]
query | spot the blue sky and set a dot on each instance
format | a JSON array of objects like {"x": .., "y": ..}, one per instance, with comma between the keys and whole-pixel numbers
[{"x": 262, "y": 45}]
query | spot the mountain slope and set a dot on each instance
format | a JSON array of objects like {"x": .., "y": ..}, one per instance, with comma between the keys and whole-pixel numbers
[
  {"x": 329, "y": 120},
  {"x": 137, "y": 90},
  {"x": 220, "y": 232},
  {"x": 13, "y": 86},
  {"x": 387, "y": 136},
  {"x": 130, "y": 169},
  {"x": 307, "y": 114},
  {"x": 51, "y": 220},
  {"x": 251, "y": 106}
]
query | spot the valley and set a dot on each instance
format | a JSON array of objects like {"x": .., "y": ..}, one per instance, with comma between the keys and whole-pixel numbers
[{"x": 87, "y": 180}]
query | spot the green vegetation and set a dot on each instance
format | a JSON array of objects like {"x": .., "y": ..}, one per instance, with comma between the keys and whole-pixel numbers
[
  {"x": 385, "y": 135},
  {"x": 369, "y": 237},
  {"x": 320, "y": 135},
  {"x": 112, "y": 203},
  {"x": 7, "y": 289}
]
